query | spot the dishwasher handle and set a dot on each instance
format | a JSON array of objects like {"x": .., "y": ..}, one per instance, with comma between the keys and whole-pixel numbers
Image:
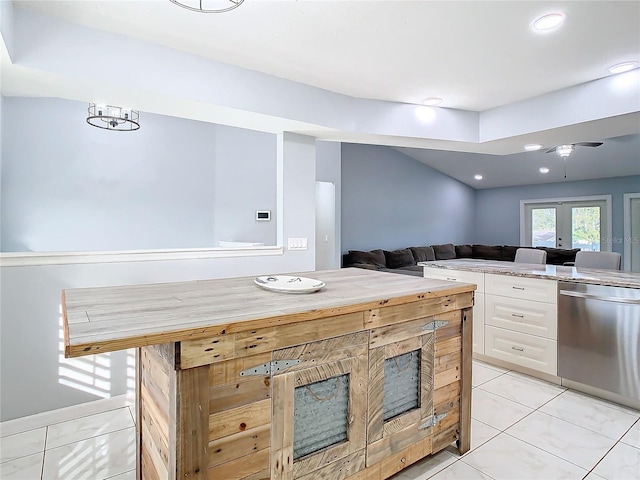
[{"x": 569, "y": 293}]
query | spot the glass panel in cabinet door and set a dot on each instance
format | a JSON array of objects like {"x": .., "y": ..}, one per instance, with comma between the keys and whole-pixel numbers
[
  {"x": 321, "y": 412},
  {"x": 401, "y": 384}
]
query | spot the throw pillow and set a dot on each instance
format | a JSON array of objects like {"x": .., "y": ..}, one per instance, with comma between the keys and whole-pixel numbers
[
  {"x": 464, "y": 251},
  {"x": 487, "y": 252},
  {"x": 444, "y": 252},
  {"x": 509, "y": 252},
  {"x": 558, "y": 256},
  {"x": 399, "y": 258},
  {"x": 374, "y": 257},
  {"x": 423, "y": 254}
]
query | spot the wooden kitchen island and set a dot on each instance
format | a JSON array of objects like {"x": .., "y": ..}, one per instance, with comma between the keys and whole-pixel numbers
[{"x": 358, "y": 380}]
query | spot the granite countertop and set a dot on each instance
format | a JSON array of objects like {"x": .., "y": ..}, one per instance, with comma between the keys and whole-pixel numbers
[{"x": 552, "y": 272}]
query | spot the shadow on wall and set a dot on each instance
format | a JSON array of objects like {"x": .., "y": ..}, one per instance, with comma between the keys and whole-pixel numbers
[{"x": 92, "y": 374}]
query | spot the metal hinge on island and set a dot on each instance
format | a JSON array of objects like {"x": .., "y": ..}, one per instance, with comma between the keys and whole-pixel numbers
[
  {"x": 270, "y": 368},
  {"x": 436, "y": 324},
  {"x": 432, "y": 421}
]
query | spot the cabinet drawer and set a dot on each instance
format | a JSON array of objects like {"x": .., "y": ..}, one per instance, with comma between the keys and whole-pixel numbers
[
  {"x": 534, "y": 289},
  {"x": 524, "y": 316},
  {"x": 456, "y": 276},
  {"x": 529, "y": 351}
]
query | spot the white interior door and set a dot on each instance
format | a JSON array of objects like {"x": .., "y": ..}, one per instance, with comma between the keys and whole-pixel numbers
[{"x": 325, "y": 226}]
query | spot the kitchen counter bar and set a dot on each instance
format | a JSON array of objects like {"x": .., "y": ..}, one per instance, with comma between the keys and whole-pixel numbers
[
  {"x": 551, "y": 272},
  {"x": 107, "y": 319},
  {"x": 229, "y": 373}
]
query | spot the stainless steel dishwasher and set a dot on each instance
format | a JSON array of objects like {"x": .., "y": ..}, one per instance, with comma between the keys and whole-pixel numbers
[{"x": 599, "y": 337}]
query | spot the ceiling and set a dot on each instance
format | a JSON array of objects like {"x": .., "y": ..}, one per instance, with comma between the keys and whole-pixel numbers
[{"x": 475, "y": 55}]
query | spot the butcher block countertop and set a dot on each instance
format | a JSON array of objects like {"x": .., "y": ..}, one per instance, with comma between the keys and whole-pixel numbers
[
  {"x": 106, "y": 319},
  {"x": 614, "y": 278}
]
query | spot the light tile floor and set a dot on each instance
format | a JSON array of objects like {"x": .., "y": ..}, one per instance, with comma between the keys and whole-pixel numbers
[{"x": 521, "y": 428}]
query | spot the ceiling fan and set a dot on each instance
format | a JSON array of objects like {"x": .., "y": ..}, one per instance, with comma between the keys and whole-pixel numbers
[{"x": 565, "y": 150}]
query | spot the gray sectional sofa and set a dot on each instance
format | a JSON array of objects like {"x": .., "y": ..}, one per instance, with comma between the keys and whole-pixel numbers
[{"x": 405, "y": 260}]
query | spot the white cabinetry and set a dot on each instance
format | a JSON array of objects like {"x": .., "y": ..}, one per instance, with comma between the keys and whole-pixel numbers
[
  {"x": 514, "y": 318},
  {"x": 521, "y": 321},
  {"x": 478, "y": 303}
]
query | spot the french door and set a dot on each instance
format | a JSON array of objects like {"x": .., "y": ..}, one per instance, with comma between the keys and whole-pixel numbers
[{"x": 568, "y": 223}]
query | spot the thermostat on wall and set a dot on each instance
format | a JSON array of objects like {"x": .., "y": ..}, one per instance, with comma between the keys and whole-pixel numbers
[{"x": 263, "y": 215}]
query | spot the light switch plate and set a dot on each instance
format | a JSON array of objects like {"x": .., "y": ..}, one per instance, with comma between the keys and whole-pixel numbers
[{"x": 296, "y": 244}]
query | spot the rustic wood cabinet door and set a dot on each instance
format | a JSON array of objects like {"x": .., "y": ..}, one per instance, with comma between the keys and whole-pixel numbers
[
  {"x": 401, "y": 375},
  {"x": 319, "y": 409}
]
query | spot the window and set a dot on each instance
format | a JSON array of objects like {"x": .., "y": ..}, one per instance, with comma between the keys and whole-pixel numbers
[{"x": 583, "y": 223}]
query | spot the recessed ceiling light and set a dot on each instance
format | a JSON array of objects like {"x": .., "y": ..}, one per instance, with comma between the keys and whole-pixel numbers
[
  {"x": 544, "y": 170},
  {"x": 478, "y": 177},
  {"x": 548, "y": 22},
  {"x": 530, "y": 147},
  {"x": 623, "y": 67},
  {"x": 432, "y": 101}
]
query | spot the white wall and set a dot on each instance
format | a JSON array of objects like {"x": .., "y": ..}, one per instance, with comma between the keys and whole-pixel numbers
[
  {"x": 245, "y": 181},
  {"x": 34, "y": 378},
  {"x": 329, "y": 169},
  {"x": 67, "y": 186}
]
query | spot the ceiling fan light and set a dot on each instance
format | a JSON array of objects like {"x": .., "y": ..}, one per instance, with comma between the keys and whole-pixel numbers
[
  {"x": 548, "y": 22},
  {"x": 623, "y": 67},
  {"x": 564, "y": 150}
]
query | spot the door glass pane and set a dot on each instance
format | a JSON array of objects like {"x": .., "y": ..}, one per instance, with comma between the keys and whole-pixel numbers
[
  {"x": 543, "y": 227},
  {"x": 401, "y": 384},
  {"x": 585, "y": 228},
  {"x": 320, "y": 415}
]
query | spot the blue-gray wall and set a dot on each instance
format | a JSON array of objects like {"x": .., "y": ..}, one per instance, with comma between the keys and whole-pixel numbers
[
  {"x": 245, "y": 181},
  {"x": 67, "y": 186},
  {"x": 391, "y": 201},
  {"x": 497, "y": 219}
]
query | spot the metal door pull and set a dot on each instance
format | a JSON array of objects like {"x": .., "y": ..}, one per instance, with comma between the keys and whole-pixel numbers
[
  {"x": 519, "y": 315},
  {"x": 519, "y": 349}
]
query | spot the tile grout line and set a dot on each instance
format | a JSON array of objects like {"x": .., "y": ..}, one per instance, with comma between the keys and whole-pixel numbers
[
  {"x": 90, "y": 438},
  {"x": 553, "y": 454}
]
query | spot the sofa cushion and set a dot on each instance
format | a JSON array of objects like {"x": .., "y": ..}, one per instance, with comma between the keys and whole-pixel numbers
[
  {"x": 464, "y": 251},
  {"x": 444, "y": 252},
  {"x": 487, "y": 252},
  {"x": 558, "y": 256},
  {"x": 374, "y": 257},
  {"x": 399, "y": 258},
  {"x": 423, "y": 254},
  {"x": 509, "y": 252}
]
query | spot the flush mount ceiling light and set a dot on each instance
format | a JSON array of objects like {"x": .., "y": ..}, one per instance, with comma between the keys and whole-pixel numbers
[
  {"x": 544, "y": 170},
  {"x": 208, "y": 6},
  {"x": 548, "y": 22},
  {"x": 113, "y": 118},
  {"x": 478, "y": 177},
  {"x": 532, "y": 147},
  {"x": 432, "y": 101},
  {"x": 623, "y": 67}
]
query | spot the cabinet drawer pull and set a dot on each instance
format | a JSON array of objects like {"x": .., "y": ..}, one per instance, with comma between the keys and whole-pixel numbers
[
  {"x": 452, "y": 279},
  {"x": 517, "y": 288},
  {"x": 519, "y": 315},
  {"x": 519, "y": 349}
]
